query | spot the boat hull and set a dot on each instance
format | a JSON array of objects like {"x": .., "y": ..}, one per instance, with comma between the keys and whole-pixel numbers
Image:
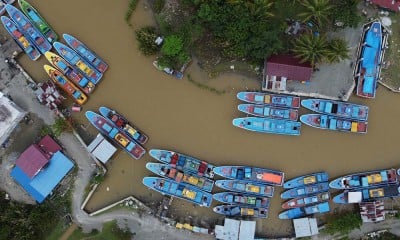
[
  {"x": 261, "y": 175},
  {"x": 242, "y": 199},
  {"x": 305, "y": 190},
  {"x": 368, "y": 194},
  {"x": 269, "y": 99},
  {"x": 246, "y": 187},
  {"x": 129, "y": 129},
  {"x": 269, "y": 111},
  {"x": 307, "y": 179},
  {"x": 305, "y": 211},
  {"x": 241, "y": 211},
  {"x": 307, "y": 200},
  {"x": 268, "y": 125},
  {"x": 366, "y": 179},
  {"x": 327, "y": 122},
  {"x": 180, "y": 190},
  {"x": 164, "y": 170},
  {"x": 105, "y": 127}
]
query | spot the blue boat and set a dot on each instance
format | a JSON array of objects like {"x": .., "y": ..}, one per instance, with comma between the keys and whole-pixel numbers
[
  {"x": 75, "y": 60},
  {"x": 254, "y": 174},
  {"x": 106, "y": 128},
  {"x": 305, "y": 190},
  {"x": 180, "y": 190},
  {"x": 123, "y": 124},
  {"x": 307, "y": 200},
  {"x": 2, "y": 8},
  {"x": 269, "y": 99},
  {"x": 269, "y": 111},
  {"x": 332, "y": 123},
  {"x": 368, "y": 68},
  {"x": 268, "y": 125},
  {"x": 242, "y": 199},
  {"x": 23, "y": 42},
  {"x": 368, "y": 194},
  {"x": 28, "y": 29},
  {"x": 246, "y": 187},
  {"x": 337, "y": 108},
  {"x": 241, "y": 211},
  {"x": 86, "y": 53},
  {"x": 307, "y": 179},
  {"x": 366, "y": 179},
  {"x": 305, "y": 211},
  {"x": 183, "y": 162},
  {"x": 165, "y": 170}
]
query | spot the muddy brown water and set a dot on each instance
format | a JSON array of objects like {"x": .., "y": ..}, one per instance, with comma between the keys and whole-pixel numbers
[{"x": 180, "y": 116}]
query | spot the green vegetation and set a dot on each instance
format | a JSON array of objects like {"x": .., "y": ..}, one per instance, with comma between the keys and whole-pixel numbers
[
  {"x": 60, "y": 125},
  {"x": 146, "y": 38},
  {"x": 173, "y": 52},
  {"x": 131, "y": 8},
  {"x": 345, "y": 12},
  {"x": 316, "y": 11},
  {"x": 110, "y": 231},
  {"x": 158, "y": 6},
  {"x": 343, "y": 223},
  {"x": 204, "y": 86}
]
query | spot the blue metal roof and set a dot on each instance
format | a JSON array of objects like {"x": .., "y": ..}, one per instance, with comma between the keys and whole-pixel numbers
[{"x": 47, "y": 179}]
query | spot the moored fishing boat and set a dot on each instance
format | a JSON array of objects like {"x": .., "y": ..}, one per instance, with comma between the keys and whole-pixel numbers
[
  {"x": 246, "y": 187},
  {"x": 168, "y": 70},
  {"x": 261, "y": 175},
  {"x": 77, "y": 61},
  {"x": 123, "y": 124},
  {"x": 366, "y": 179},
  {"x": 2, "y": 8},
  {"x": 269, "y": 99},
  {"x": 368, "y": 68},
  {"x": 66, "y": 85},
  {"x": 305, "y": 211},
  {"x": 337, "y": 108},
  {"x": 27, "y": 28},
  {"x": 183, "y": 162},
  {"x": 86, "y": 53},
  {"x": 22, "y": 41},
  {"x": 180, "y": 190},
  {"x": 39, "y": 22},
  {"x": 332, "y": 123},
  {"x": 305, "y": 190},
  {"x": 106, "y": 128},
  {"x": 368, "y": 194},
  {"x": 307, "y": 179},
  {"x": 307, "y": 200},
  {"x": 242, "y": 199},
  {"x": 268, "y": 125},
  {"x": 165, "y": 170},
  {"x": 269, "y": 111},
  {"x": 70, "y": 72},
  {"x": 241, "y": 211}
]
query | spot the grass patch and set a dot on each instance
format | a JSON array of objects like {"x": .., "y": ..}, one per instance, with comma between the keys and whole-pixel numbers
[
  {"x": 204, "y": 86},
  {"x": 131, "y": 8},
  {"x": 242, "y": 67},
  {"x": 58, "y": 231},
  {"x": 110, "y": 231}
]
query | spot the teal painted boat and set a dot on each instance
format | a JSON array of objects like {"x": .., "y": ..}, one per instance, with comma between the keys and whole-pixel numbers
[
  {"x": 241, "y": 211},
  {"x": 269, "y": 111},
  {"x": 254, "y": 174},
  {"x": 268, "y": 125},
  {"x": 307, "y": 179},
  {"x": 246, "y": 187},
  {"x": 307, "y": 200},
  {"x": 242, "y": 199},
  {"x": 305, "y": 211},
  {"x": 368, "y": 194}
]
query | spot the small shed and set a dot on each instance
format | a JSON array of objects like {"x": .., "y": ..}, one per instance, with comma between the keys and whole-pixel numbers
[
  {"x": 305, "y": 227},
  {"x": 354, "y": 197},
  {"x": 10, "y": 116},
  {"x": 236, "y": 230},
  {"x": 101, "y": 148}
]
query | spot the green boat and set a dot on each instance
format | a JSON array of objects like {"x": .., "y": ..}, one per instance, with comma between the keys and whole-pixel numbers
[{"x": 38, "y": 21}]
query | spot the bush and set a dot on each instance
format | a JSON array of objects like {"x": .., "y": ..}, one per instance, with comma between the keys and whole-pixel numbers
[
  {"x": 159, "y": 5},
  {"x": 343, "y": 223},
  {"x": 146, "y": 37},
  {"x": 131, "y": 8}
]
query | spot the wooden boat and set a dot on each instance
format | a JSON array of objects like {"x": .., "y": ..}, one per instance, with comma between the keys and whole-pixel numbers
[
  {"x": 305, "y": 211},
  {"x": 28, "y": 29},
  {"x": 106, "y": 128},
  {"x": 165, "y": 170},
  {"x": 337, "y": 108},
  {"x": 268, "y": 125},
  {"x": 368, "y": 194},
  {"x": 123, "y": 124},
  {"x": 307, "y": 179},
  {"x": 70, "y": 72},
  {"x": 66, "y": 85},
  {"x": 270, "y": 99},
  {"x": 307, "y": 200},
  {"x": 332, "y": 123},
  {"x": 369, "y": 64},
  {"x": 180, "y": 190},
  {"x": 22, "y": 41},
  {"x": 183, "y": 162},
  {"x": 86, "y": 53},
  {"x": 241, "y": 211},
  {"x": 77, "y": 61},
  {"x": 37, "y": 20},
  {"x": 366, "y": 179},
  {"x": 305, "y": 190},
  {"x": 242, "y": 199},
  {"x": 269, "y": 111},
  {"x": 246, "y": 187},
  {"x": 168, "y": 70},
  {"x": 254, "y": 174}
]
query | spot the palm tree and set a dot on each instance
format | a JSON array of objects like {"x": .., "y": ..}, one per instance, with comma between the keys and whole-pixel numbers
[
  {"x": 310, "y": 48},
  {"x": 337, "y": 51},
  {"x": 315, "y": 10},
  {"x": 256, "y": 8}
]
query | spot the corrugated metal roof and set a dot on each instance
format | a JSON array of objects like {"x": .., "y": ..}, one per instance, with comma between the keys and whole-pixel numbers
[
  {"x": 389, "y": 4},
  {"x": 32, "y": 160},
  {"x": 247, "y": 230},
  {"x": 47, "y": 144},
  {"x": 288, "y": 66},
  {"x": 305, "y": 227},
  {"x": 101, "y": 148}
]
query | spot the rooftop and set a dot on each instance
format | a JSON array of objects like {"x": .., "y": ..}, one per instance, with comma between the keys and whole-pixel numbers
[
  {"x": 393, "y": 5},
  {"x": 10, "y": 116},
  {"x": 288, "y": 66}
]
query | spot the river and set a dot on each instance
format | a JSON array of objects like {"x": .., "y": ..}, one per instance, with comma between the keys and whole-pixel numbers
[{"x": 180, "y": 116}]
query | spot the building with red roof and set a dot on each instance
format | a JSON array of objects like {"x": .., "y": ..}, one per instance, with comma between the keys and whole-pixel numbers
[
  {"x": 32, "y": 160},
  {"x": 281, "y": 68},
  {"x": 393, "y": 5}
]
